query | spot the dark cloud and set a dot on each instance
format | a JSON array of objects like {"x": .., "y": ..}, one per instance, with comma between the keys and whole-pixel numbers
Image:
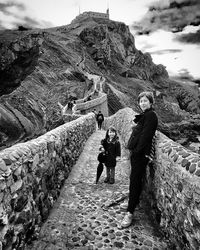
[
  {"x": 185, "y": 74},
  {"x": 1, "y": 26},
  {"x": 31, "y": 23},
  {"x": 161, "y": 5},
  {"x": 166, "y": 51},
  {"x": 174, "y": 17},
  {"x": 4, "y": 7},
  {"x": 25, "y": 21},
  {"x": 158, "y": 5},
  {"x": 193, "y": 38}
]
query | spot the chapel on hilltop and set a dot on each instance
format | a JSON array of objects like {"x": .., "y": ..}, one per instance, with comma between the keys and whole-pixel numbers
[{"x": 87, "y": 14}]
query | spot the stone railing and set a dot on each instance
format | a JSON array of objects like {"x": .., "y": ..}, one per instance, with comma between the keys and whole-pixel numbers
[
  {"x": 99, "y": 103},
  {"x": 95, "y": 94},
  {"x": 172, "y": 185},
  {"x": 31, "y": 176},
  {"x": 70, "y": 117}
]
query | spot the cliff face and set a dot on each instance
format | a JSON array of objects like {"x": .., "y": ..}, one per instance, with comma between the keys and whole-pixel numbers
[
  {"x": 112, "y": 47},
  {"x": 38, "y": 68}
]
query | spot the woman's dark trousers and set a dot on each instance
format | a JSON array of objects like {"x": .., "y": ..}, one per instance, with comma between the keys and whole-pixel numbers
[{"x": 138, "y": 170}]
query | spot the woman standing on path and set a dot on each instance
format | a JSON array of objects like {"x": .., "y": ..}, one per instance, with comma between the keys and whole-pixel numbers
[{"x": 139, "y": 145}]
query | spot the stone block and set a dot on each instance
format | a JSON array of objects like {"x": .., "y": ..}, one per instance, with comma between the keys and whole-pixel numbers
[
  {"x": 197, "y": 173},
  {"x": 16, "y": 186},
  {"x": 3, "y": 167},
  {"x": 192, "y": 168}
]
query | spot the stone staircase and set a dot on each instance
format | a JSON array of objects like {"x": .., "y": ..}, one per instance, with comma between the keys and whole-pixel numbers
[{"x": 87, "y": 216}]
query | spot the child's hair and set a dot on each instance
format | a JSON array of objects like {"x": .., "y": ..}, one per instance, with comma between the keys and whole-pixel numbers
[
  {"x": 148, "y": 95},
  {"x": 111, "y": 129}
]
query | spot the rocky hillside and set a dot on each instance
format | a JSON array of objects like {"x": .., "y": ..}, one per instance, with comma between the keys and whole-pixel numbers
[{"x": 38, "y": 68}]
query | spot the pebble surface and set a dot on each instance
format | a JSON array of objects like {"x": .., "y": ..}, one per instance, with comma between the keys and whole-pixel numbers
[{"x": 87, "y": 216}]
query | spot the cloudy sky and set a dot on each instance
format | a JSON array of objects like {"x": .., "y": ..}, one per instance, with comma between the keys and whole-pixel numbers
[
  {"x": 48, "y": 13},
  {"x": 165, "y": 49}
]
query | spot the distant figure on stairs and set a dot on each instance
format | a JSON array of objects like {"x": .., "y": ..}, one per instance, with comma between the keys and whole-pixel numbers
[
  {"x": 100, "y": 119},
  {"x": 70, "y": 105}
]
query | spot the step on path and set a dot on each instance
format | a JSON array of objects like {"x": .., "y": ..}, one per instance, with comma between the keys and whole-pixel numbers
[{"x": 87, "y": 216}]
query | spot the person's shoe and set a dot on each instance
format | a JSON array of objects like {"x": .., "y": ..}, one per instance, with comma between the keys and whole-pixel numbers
[
  {"x": 106, "y": 180},
  {"x": 127, "y": 221}
]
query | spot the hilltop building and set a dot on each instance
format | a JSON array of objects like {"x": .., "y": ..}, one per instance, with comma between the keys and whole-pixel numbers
[{"x": 87, "y": 14}]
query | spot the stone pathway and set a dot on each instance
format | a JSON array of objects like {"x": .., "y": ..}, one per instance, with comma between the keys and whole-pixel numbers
[{"x": 88, "y": 216}]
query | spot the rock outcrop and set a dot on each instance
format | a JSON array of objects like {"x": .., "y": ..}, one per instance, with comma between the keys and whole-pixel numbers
[{"x": 39, "y": 68}]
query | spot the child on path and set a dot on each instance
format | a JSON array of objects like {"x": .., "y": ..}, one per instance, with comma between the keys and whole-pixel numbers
[{"x": 112, "y": 148}]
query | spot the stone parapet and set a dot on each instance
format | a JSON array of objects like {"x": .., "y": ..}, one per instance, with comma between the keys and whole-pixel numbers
[
  {"x": 31, "y": 176},
  {"x": 95, "y": 94},
  {"x": 92, "y": 103},
  {"x": 99, "y": 103},
  {"x": 178, "y": 155},
  {"x": 70, "y": 117},
  {"x": 172, "y": 185}
]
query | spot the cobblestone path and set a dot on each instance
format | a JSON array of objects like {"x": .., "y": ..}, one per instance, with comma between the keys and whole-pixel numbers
[{"x": 88, "y": 216}]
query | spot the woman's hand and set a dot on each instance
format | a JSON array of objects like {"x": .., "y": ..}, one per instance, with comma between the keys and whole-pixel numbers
[{"x": 101, "y": 149}]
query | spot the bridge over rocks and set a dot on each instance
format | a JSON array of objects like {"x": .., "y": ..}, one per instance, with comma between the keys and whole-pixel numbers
[
  {"x": 48, "y": 184},
  {"x": 88, "y": 216}
]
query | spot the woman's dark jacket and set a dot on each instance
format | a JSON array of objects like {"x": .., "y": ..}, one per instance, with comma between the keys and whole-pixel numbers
[
  {"x": 141, "y": 138},
  {"x": 112, "y": 149}
]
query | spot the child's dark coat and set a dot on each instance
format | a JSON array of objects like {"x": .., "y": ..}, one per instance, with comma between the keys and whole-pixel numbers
[{"x": 112, "y": 149}]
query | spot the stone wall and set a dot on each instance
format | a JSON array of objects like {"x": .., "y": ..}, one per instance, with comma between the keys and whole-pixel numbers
[
  {"x": 70, "y": 117},
  {"x": 99, "y": 103},
  {"x": 31, "y": 176},
  {"x": 174, "y": 188},
  {"x": 172, "y": 185}
]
